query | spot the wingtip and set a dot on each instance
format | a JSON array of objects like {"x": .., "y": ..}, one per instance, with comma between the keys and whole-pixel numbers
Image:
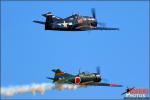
[
  {"x": 118, "y": 29},
  {"x": 116, "y": 85}
]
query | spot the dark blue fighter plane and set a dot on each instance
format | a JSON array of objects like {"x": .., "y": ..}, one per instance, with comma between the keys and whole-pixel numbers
[{"x": 74, "y": 22}]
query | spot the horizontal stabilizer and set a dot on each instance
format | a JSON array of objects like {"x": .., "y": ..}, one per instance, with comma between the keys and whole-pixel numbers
[
  {"x": 39, "y": 22},
  {"x": 50, "y": 78}
]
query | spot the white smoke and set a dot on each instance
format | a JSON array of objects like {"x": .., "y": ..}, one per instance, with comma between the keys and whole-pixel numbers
[{"x": 35, "y": 88}]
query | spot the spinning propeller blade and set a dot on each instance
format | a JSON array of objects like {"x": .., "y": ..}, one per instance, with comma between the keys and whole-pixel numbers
[
  {"x": 102, "y": 24},
  {"x": 79, "y": 71},
  {"x": 98, "y": 70},
  {"x": 93, "y": 13},
  {"x": 94, "y": 16}
]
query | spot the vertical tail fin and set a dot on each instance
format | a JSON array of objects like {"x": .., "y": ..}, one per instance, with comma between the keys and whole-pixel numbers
[
  {"x": 58, "y": 74},
  {"x": 49, "y": 20}
]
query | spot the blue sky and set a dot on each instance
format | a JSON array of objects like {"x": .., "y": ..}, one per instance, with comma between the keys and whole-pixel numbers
[{"x": 29, "y": 52}]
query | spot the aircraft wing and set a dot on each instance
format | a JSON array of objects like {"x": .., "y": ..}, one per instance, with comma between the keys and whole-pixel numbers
[
  {"x": 101, "y": 84},
  {"x": 104, "y": 28},
  {"x": 86, "y": 27},
  {"x": 111, "y": 85},
  {"x": 83, "y": 27}
]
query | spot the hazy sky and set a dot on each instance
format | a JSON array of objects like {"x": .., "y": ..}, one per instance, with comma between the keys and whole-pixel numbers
[{"x": 29, "y": 52}]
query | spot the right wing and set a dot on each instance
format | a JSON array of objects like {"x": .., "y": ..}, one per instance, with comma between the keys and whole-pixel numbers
[{"x": 105, "y": 28}]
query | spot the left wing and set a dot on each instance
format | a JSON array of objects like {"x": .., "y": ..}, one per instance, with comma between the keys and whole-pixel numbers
[
  {"x": 87, "y": 27},
  {"x": 105, "y": 28},
  {"x": 83, "y": 27},
  {"x": 101, "y": 84}
]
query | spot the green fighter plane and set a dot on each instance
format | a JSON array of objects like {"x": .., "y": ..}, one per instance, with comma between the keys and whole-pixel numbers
[{"x": 83, "y": 79}]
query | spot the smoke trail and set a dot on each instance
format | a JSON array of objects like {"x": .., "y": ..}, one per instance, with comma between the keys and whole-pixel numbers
[{"x": 35, "y": 88}]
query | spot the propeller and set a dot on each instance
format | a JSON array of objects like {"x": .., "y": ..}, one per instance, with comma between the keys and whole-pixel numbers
[
  {"x": 93, "y": 13},
  {"x": 102, "y": 24},
  {"x": 79, "y": 71},
  {"x": 104, "y": 80},
  {"x": 98, "y": 70},
  {"x": 94, "y": 16}
]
